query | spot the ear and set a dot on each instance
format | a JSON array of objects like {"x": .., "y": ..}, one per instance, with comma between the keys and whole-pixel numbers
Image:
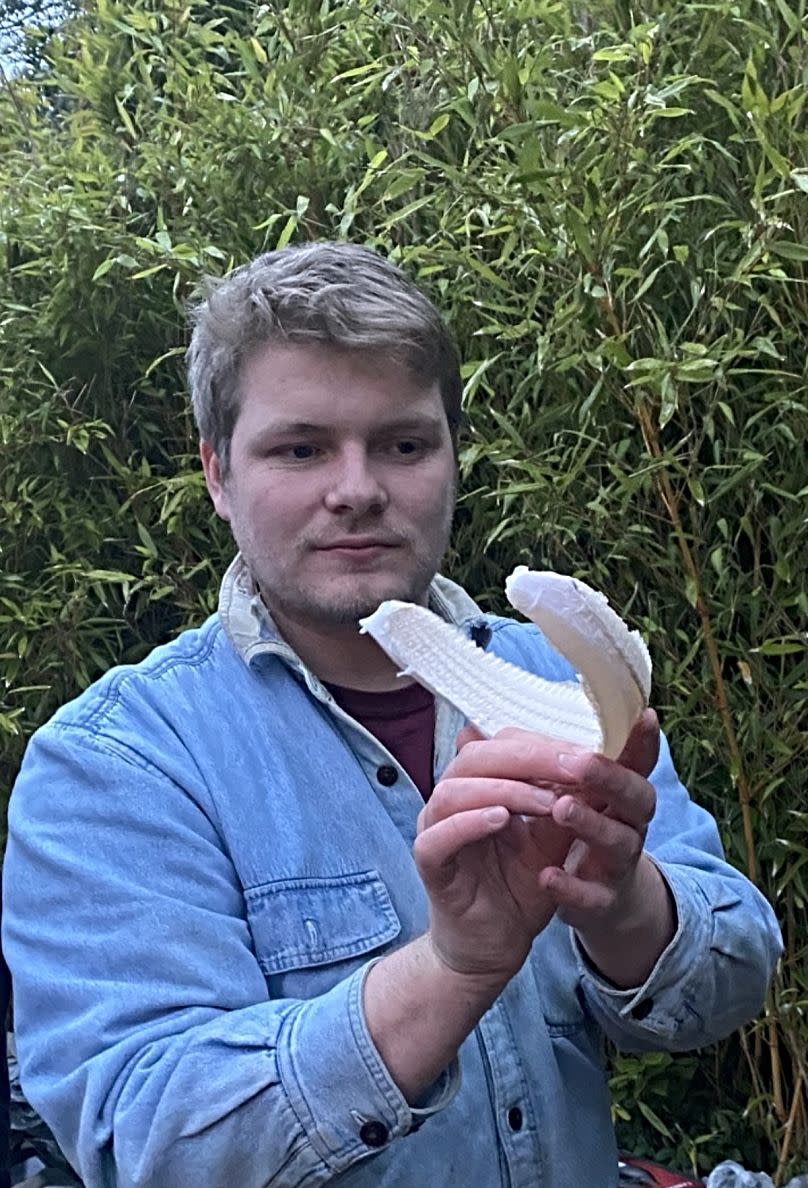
[{"x": 214, "y": 479}]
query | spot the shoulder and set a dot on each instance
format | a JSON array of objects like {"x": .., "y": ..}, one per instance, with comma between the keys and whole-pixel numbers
[{"x": 172, "y": 683}]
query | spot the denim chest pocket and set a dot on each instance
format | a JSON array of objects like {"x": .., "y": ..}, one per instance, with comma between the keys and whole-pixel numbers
[{"x": 310, "y": 933}]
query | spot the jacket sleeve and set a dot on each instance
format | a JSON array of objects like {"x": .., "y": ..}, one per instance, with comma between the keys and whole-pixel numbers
[
  {"x": 713, "y": 976},
  {"x": 146, "y": 1035}
]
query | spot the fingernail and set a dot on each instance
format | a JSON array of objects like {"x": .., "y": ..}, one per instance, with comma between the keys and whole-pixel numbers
[
  {"x": 543, "y": 797},
  {"x": 574, "y": 765},
  {"x": 496, "y": 815},
  {"x": 570, "y": 811}
]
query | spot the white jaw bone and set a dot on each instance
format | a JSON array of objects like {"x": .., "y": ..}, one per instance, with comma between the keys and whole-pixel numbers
[{"x": 612, "y": 662}]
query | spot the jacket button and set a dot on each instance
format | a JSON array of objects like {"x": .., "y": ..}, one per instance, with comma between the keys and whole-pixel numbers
[
  {"x": 374, "y": 1134},
  {"x": 515, "y": 1118},
  {"x": 387, "y": 775},
  {"x": 643, "y": 1009}
]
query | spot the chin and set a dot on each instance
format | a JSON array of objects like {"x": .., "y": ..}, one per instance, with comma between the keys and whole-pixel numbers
[{"x": 349, "y": 606}]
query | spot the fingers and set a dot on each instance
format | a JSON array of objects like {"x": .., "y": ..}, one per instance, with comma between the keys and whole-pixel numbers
[
  {"x": 526, "y": 759},
  {"x": 436, "y": 849},
  {"x": 522, "y": 755},
  {"x": 576, "y": 898},
  {"x": 517, "y": 754},
  {"x": 603, "y": 784},
  {"x": 616, "y": 845},
  {"x": 459, "y": 795},
  {"x": 468, "y": 734}
]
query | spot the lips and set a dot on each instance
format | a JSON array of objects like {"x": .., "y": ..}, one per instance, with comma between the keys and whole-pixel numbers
[{"x": 359, "y": 543}]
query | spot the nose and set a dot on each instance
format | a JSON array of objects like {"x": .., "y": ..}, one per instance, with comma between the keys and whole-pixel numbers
[{"x": 355, "y": 487}]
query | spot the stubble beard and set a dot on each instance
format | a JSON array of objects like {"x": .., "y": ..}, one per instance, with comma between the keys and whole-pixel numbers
[{"x": 341, "y": 611}]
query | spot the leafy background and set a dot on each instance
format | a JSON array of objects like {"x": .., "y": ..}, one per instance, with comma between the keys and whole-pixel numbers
[{"x": 608, "y": 200}]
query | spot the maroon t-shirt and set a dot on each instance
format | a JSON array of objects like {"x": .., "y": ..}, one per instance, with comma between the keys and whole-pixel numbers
[{"x": 402, "y": 720}]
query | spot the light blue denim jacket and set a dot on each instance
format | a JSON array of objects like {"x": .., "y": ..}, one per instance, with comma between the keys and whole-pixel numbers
[{"x": 203, "y": 863}]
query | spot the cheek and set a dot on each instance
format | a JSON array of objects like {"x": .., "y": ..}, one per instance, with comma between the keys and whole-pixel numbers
[
  {"x": 431, "y": 492},
  {"x": 278, "y": 501}
]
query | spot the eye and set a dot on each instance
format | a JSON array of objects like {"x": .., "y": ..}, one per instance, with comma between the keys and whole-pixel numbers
[
  {"x": 300, "y": 451},
  {"x": 407, "y": 447}
]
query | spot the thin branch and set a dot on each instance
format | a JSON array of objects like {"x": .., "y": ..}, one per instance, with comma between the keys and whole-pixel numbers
[{"x": 788, "y": 1131}]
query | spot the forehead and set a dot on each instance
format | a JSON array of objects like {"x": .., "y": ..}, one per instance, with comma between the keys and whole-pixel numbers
[{"x": 328, "y": 385}]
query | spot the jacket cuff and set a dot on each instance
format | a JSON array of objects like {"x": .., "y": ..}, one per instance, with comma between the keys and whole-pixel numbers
[
  {"x": 666, "y": 1001},
  {"x": 338, "y": 1085}
]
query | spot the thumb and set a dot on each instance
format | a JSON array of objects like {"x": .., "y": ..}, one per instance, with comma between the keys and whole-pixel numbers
[{"x": 642, "y": 748}]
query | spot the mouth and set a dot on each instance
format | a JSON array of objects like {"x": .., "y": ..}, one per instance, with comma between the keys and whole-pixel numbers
[{"x": 358, "y": 544}]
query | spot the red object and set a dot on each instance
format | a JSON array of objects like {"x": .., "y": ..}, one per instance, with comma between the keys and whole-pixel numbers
[{"x": 657, "y": 1177}]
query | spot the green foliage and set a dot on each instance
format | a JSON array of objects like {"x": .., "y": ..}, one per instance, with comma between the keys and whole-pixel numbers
[{"x": 609, "y": 203}]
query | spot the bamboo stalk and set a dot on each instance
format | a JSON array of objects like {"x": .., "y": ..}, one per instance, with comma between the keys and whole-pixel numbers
[
  {"x": 788, "y": 1132},
  {"x": 778, "y": 1100},
  {"x": 671, "y": 502},
  {"x": 752, "y": 1063}
]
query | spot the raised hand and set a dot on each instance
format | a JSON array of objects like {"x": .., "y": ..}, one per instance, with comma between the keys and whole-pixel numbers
[
  {"x": 608, "y": 889},
  {"x": 483, "y": 838},
  {"x": 608, "y": 811},
  {"x": 520, "y": 826}
]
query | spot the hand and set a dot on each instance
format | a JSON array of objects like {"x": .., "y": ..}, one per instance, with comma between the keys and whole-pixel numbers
[
  {"x": 608, "y": 811},
  {"x": 483, "y": 838},
  {"x": 584, "y": 856},
  {"x": 608, "y": 889}
]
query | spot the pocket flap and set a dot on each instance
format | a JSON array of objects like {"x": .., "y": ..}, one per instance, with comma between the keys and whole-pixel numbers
[{"x": 297, "y": 923}]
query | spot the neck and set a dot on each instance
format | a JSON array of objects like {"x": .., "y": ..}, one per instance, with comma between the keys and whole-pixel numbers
[{"x": 341, "y": 655}]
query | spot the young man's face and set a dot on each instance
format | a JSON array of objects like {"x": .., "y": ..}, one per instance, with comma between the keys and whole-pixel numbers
[{"x": 342, "y": 482}]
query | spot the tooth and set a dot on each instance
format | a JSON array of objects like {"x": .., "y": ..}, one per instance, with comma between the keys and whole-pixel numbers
[{"x": 612, "y": 662}]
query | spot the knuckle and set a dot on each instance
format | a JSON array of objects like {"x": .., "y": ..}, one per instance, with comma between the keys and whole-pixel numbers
[
  {"x": 420, "y": 851},
  {"x": 449, "y": 796},
  {"x": 650, "y": 803},
  {"x": 635, "y": 847},
  {"x": 443, "y": 794},
  {"x": 469, "y": 755}
]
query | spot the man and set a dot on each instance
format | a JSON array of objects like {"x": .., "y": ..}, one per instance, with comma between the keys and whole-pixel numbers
[{"x": 251, "y": 943}]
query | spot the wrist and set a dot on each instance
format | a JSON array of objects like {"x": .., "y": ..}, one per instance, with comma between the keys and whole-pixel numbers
[
  {"x": 469, "y": 982},
  {"x": 640, "y": 901},
  {"x": 419, "y": 1010},
  {"x": 625, "y": 945}
]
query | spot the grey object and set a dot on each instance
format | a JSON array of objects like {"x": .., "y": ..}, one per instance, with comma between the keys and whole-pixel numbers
[
  {"x": 732, "y": 1175},
  {"x": 628, "y": 1177}
]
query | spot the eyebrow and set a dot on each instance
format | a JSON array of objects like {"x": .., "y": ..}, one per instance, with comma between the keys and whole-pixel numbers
[
  {"x": 282, "y": 428},
  {"x": 399, "y": 425}
]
